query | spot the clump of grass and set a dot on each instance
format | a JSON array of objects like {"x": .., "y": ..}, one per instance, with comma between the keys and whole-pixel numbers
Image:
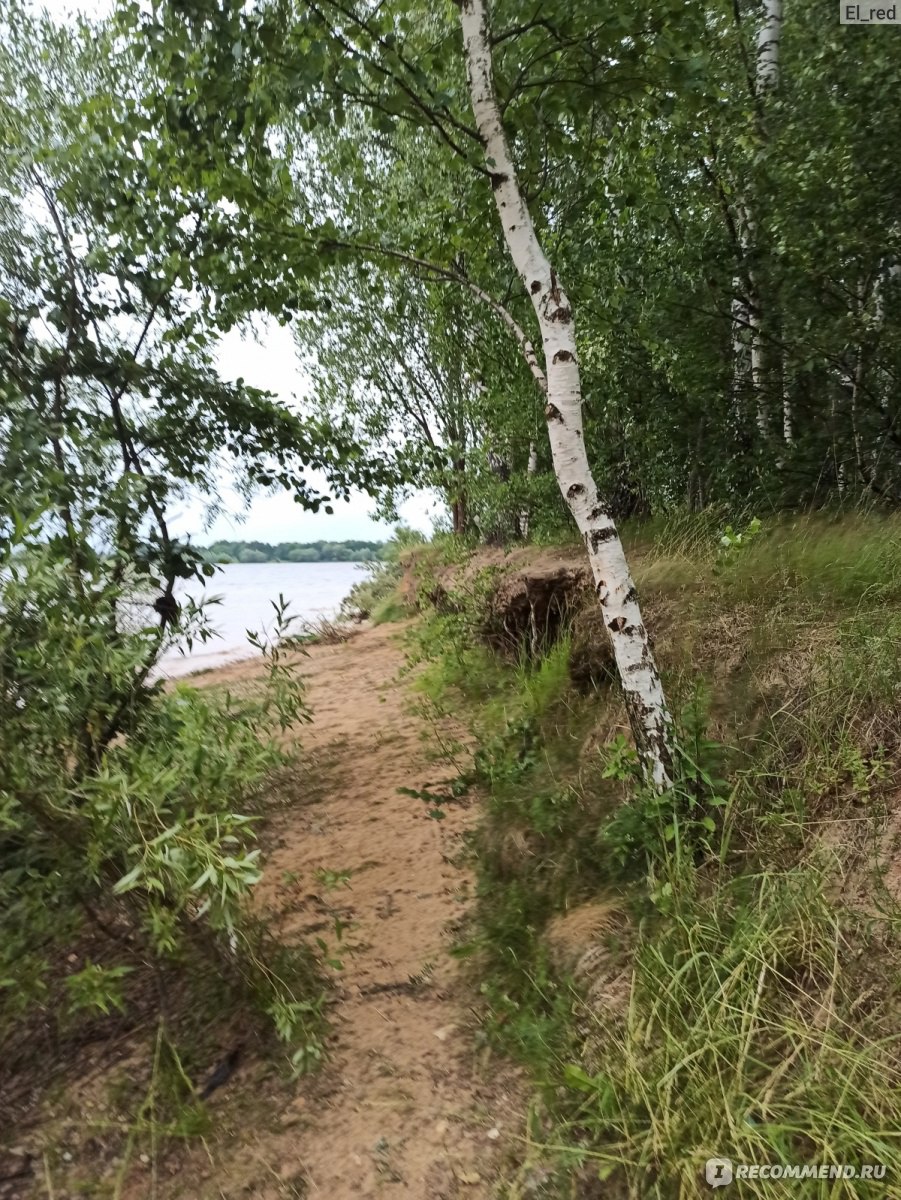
[
  {"x": 836, "y": 563},
  {"x": 680, "y": 535},
  {"x": 796, "y": 569},
  {"x": 546, "y": 684},
  {"x": 379, "y": 591},
  {"x": 389, "y": 609},
  {"x": 744, "y": 1037},
  {"x": 317, "y": 631}
]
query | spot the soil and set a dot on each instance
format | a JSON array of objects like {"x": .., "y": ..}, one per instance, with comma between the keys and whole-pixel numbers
[{"x": 409, "y": 1102}]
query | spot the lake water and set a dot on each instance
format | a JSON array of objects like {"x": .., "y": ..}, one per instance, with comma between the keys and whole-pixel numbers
[{"x": 246, "y": 589}]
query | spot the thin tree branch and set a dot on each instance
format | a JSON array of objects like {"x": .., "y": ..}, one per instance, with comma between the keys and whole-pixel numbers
[{"x": 523, "y": 341}]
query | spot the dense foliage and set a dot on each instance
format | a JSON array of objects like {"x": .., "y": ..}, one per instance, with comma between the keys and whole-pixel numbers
[
  {"x": 737, "y": 311},
  {"x": 127, "y": 824},
  {"x": 126, "y": 811}
]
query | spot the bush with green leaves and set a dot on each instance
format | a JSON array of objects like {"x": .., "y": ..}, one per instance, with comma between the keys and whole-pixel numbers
[
  {"x": 128, "y": 810},
  {"x": 650, "y": 826}
]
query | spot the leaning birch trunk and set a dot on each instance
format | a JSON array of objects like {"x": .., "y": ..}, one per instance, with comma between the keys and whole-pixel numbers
[{"x": 645, "y": 702}]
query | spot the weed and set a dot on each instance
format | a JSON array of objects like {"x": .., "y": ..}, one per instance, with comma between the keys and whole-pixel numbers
[
  {"x": 650, "y": 827},
  {"x": 742, "y": 1001},
  {"x": 377, "y": 595},
  {"x": 330, "y": 880}
]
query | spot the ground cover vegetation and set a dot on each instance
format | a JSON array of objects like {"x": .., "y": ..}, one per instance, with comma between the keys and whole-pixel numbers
[{"x": 709, "y": 971}]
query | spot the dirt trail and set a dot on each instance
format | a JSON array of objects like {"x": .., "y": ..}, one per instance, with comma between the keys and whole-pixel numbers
[{"x": 408, "y": 1104}]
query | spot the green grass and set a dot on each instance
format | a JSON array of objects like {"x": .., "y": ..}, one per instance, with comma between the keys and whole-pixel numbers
[
  {"x": 389, "y": 609},
  {"x": 759, "y": 1014},
  {"x": 835, "y": 563},
  {"x": 741, "y": 1038}
]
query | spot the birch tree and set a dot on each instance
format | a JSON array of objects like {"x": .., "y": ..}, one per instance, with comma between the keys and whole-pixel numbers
[
  {"x": 645, "y": 701},
  {"x": 735, "y": 154},
  {"x": 748, "y": 315}
]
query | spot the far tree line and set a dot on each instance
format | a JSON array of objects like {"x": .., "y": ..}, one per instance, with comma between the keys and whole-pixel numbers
[{"x": 353, "y": 550}]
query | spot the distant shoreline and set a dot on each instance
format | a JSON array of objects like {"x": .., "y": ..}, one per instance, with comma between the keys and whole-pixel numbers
[{"x": 250, "y": 553}]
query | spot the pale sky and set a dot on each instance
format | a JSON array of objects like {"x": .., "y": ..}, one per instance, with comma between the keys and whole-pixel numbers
[{"x": 271, "y": 363}]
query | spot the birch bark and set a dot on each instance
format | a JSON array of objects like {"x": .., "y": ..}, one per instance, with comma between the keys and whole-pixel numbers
[
  {"x": 645, "y": 701},
  {"x": 769, "y": 45},
  {"x": 767, "y": 76},
  {"x": 531, "y": 468},
  {"x": 769, "y": 41}
]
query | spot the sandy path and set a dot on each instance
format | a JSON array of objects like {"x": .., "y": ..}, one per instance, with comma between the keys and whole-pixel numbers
[{"x": 408, "y": 1105}]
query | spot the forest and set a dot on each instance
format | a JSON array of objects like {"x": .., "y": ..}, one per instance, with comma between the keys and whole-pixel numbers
[
  {"x": 351, "y": 550},
  {"x": 595, "y": 815}
]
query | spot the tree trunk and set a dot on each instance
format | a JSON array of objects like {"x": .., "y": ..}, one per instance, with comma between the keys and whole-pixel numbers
[
  {"x": 767, "y": 76},
  {"x": 459, "y": 507},
  {"x": 740, "y": 372},
  {"x": 531, "y": 468},
  {"x": 749, "y": 364},
  {"x": 769, "y": 41},
  {"x": 645, "y": 702}
]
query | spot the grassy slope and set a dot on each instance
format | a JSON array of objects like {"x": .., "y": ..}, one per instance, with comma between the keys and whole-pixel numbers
[{"x": 734, "y": 990}]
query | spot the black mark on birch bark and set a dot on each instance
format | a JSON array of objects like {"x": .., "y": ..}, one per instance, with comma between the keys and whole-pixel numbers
[
  {"x": 618, "y": 624},
  {"x": 552, "y": 412},
  {"x": 575, "y": 489},
  {"x": 599, "y": 536},
  {"x": 498, "y": 179},
  {"x": 563, "y": 356}
]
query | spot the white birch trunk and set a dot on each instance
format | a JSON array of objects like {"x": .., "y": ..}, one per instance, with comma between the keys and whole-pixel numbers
[
  {"x": 531, "y": 468},
  {"x": 757, "y": 372},
  {"x": 889, "y": 272},
  {"x": 740, "y": 372},
  {"x": 767, "y": 76},
  {"x": 645, "y": 702},
  {"x": 769, "y": 45},
  {"x": 887, "y": 275},
  {"x": 769, "y": 41},
  {"x": 788, "y": 422},
  {"x": 752, "y": 358}
]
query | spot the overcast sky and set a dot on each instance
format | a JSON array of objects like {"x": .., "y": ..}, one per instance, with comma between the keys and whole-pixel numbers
[{"x": 271, "y": 363}]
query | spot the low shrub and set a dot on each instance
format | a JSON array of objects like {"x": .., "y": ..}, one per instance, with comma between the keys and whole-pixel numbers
[{"x": 128, "y": 812}]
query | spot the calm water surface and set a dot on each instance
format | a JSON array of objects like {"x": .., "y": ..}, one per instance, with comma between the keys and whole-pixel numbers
[{"x": 246, "y": 589}]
